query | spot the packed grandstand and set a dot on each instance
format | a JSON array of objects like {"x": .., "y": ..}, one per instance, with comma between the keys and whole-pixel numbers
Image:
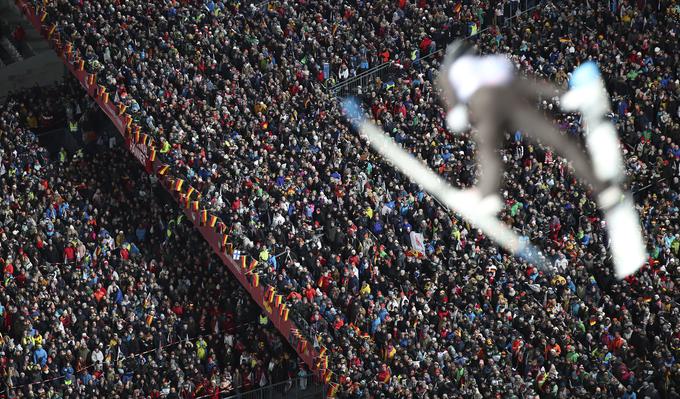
[{"x": 109, "y": 291}]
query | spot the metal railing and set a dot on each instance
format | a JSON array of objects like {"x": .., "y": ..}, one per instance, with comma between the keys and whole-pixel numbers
[{"x": 381, "y": 73}]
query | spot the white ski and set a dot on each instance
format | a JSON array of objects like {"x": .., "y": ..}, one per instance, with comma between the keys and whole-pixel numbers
[
  {"x": 454, "y": 199},
  {"x": 589, "y": 96}
]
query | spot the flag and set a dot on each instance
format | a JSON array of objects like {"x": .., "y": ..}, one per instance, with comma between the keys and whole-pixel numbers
[
  {"x": 178, "y": 185},
  {"x": 225, "y": 238},
  {"x": 221, "y": 227},
  {"x": 163, "y": 170},
  {"x": 81, "y": 64},
  {"x": 57, "y": 43},
  {"x": 253, "y": 265},
  {"x": 138, "y": 136},
  {"x": 145, "y": 139},
  {"x": 152, "y": 154},
  {"x": 322, "y": 351},
  {"x": 269, "y": 295},
  {"x": 190, "y": 191},
  {"x": 417, "y": 242},
  {"x": 149, "y": 319},
  {"x": 333, "y": 390},
  {"x": 105, "y": 96},
  {"x": 43, "y": 15},
  {"x": 387, "y": 378},
  {"x": 128, "y": 121},
  {"x": 285, "y": 314},
  {"x": 51, "y": 31},
  {"x": 303, "y": 346},
  {"x": 243, "y": 262},
  {"x": 277, "y": 300},
  {"x": 121, "y": 108},
  {"x": 204, "y": 213},
  {"x": 183, "y": 201},
  {"x": 327, "y": 374},
  {"x": 213, "y": 221},
  {"x": 256, "y": 279}
]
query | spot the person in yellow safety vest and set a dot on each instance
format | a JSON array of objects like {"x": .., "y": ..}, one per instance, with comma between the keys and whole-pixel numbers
[
  {"x": 165, "y": 146},
  {"x": 201, "y": 348},
  {"x": 264, "y": 254},
  {"x": 62, "y": 155},
  {"x": 73, "y": 126},
  {"x": 263, "y": 319},
  {"x": 168, "y": 230}
]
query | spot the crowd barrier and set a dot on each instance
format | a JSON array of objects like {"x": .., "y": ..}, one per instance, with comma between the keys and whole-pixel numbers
[{"x": 213, "y": 230}]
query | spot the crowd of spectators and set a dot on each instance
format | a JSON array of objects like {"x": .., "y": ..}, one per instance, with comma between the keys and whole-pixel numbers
[
  {"x": 106, "y": 291},
  {"x": 236, "y": 94}
]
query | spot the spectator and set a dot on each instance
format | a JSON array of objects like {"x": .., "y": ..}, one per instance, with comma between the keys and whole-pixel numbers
[
  {"x": 87, "y": 314},
  {"x": 237, "y": 100}
]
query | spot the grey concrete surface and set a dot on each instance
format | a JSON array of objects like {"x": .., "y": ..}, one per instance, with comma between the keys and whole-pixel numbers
[{"x": 42, "y": 69}]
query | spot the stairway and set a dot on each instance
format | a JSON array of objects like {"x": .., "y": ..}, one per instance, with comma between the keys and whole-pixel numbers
[{"x": 28, "y": 63}]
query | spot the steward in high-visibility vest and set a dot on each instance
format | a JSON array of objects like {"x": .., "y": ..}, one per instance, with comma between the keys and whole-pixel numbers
[
  {"x": 263, "y": 319},
  {"x": 73, "y": 127},
  {"x": 168, "y": 229},
  {"x": 62, "y": 155},
  {"x": 165, "y": 146},
  {"x": 264, "y": 254},
  {"x": 201, "y": 349}
]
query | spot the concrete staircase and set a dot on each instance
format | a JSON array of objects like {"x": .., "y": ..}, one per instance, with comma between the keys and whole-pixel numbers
[{"x": 30, "y": 64}]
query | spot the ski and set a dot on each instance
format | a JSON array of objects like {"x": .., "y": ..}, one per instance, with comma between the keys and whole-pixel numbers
[{"x": 587, "y": 95}]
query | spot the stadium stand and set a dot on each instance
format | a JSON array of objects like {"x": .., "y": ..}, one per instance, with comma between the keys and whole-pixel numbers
[
  {"x": 235, "y": 101},
  {"x": 105, "y": 290}
]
